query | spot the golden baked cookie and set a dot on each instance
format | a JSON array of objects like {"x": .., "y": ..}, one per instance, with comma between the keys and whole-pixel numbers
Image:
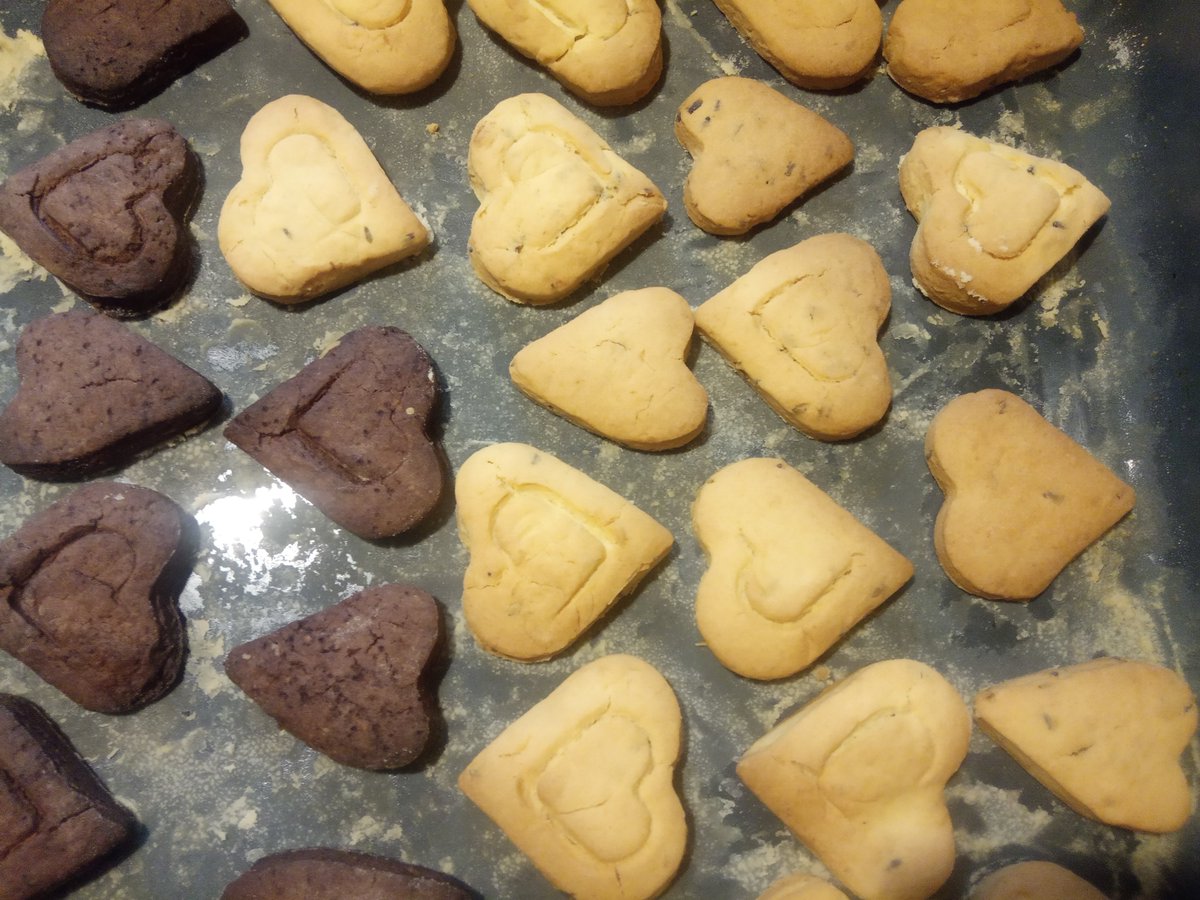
[
  {"x": 550, "y": 549},
  {"x": 947, "y": 51},
  {"x": 583, "y": 783},
  {"x": 815, "y": 44},
  {"x": 313, "y": 211},
  {"x": 801, "y": 886},
  {"x": 858, "y": 775},
  {"x": 383, "y": 46},
  {"x": 802, "y": 327},
  {"x": 992, "y": 219},
  {"x": 619, "y": 369},
  {"x": 1105, "y": 736},
  {"x": 754, "y": 153},
  {"x": 556, "y": 204},
  {"x": 1022, "y": 498},
  {"x": 789, "y": 570},
  {"x": 1034, "y": 880},
  {"x": 607, "y": 52}
]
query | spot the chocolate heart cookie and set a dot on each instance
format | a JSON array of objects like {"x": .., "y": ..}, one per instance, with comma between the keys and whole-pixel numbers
[
  {"x": 88, "y": 595},
  {"x": 349, "y": 680},
  {"x": 92, "y": 394},
  {"x": 105, "y": 214},
  {"x": 319, "y": 873}
]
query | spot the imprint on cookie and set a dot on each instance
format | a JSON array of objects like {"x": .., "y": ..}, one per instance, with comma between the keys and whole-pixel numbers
[
  {"x": 556, "y": 203},
  {"x": 992, "y": 219},
  {"x": 607, "y": 52}
]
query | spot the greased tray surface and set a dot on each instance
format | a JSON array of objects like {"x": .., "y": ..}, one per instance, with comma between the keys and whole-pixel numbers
[{"x": 1103, "y": 346}]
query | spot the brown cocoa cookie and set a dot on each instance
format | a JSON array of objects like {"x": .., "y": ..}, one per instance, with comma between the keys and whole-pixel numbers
[
  {"x": 88, "y": 595},
  {"x": 118, "y": 53},
  {"x": 350, "y": 680},
  {"x": 105, "y": 214},
  {"x": 56, "y": 817},
  {"x": 350, "y": 433},
  {"x": 326, "y": 874},
  {"x": 92, "y": 394}
]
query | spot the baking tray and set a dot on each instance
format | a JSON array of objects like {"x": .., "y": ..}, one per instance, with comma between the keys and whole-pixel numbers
[{"x": 1104, "y": 346}]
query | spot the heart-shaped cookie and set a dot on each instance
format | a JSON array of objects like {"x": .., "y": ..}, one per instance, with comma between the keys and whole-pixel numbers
[
  {"x": 1022, "y": 498},
  {"x": 350, "y": 680},
  {"x": 350, "y": 432},
  {"x": 789, "y": 572},
  {"x": 313, "y": 211},
  {"x": 385, "y": 46},
  {"x": 322, "y": 873},
  {"x": 754, "y": 153},
  {"x": 556, "y": 204},
  {"x": 858, "y": 775},
  {"x": 992, "y": 219},
  {"x": 1105, "y": 736},
  {"x": 118, "y": 53},
  {"x": 92, "y": 394},
  {"x": 88, "y": 595},
  {"x": 618, "y": 369},
  {"x": 551, "y": 549},
  {"x": 583, "y": 783},
  {"x": 948, "y": 51},
  {"x": 815, "y": 44},
  {"x": 106, "y": 214},
  {"x": 607, "y": 52},
  {"x": 802, "y": 327}
]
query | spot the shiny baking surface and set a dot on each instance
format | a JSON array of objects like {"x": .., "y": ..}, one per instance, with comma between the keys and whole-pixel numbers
[{"x": 1104, "y": 346}]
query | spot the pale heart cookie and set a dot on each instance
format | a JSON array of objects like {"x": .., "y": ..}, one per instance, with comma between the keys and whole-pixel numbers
[
  {"x": 802, "y": 327},
  {"x": 383, "y": 46},
  {"x": 859, "y": 774},
  {"x": 618, "y": 369},
  {"x": 992, "y": 220},
  {"x": 550, "y": 548},
  {"x": 556, "y": 204},
  {"x": 1035, "y": 880},
  {"x": 1105, "y": 736},
  {"x": 583, "y": 783},
  {"x": 789, "y": 572},
  {"x": 952, "y": 50},
  {"x": 313, "y": 211},
  {"x": 801, "y": 886},
  {"x": 1022, "y": 498},
  {"x": 607, "y": 52},
  {"x": 815, "y": 44},
  {"x": 754, "y": 152}
]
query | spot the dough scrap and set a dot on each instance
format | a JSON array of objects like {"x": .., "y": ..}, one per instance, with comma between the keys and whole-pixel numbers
[
  {"x": 619, "y": 370},
  {"x": 992, "y": 219},
  {"x": 815, "y": 44},
  {"x": 313, "y": 211},
  {"x": 383, "y": 46},
  {"x": 947, "y": 51},
  {"x": 1105, "y": 736},
  {"x": 551, "y": 549},
  {"x": 606, "y": 52},
  {"x": 790, "y": 571},
  {"x": 1022, "y": 498},
  {"x": 754, "y": 152},
  {"x": 859, "y": 773},
  {"x": 802, "y": 327},
  {"x": 556, "y": 204},
  {"x": 583, "y": 783}
]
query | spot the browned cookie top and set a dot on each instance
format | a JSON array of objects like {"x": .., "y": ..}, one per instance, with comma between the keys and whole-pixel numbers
[
  {"x": 93, "y": 393},
  {"x": 325, "y": 874},
  {"x": 88, "y": 595},
  {"x": 106, "y": 214},
  {"x": 348, "y": 681},
  {"x": 56, "y": 817},
  {"x": 117, "y": 53},
  {"x": 349, "y": 432}
]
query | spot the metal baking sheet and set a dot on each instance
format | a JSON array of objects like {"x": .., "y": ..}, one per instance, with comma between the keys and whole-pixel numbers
[{"x": 1104, "y": 346}]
